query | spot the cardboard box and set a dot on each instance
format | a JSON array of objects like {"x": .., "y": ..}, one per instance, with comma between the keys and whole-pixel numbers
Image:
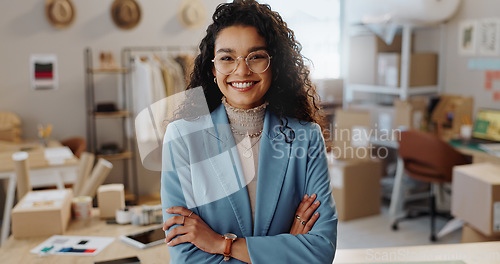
[
  {"x": 476, "y": 196},
  {"x": 11, "y": 134},
  {"x": 471, "y": 235},
  {"x": 42, "y": 213},
  {"x": 449, "y": 114},
  {"x": 423, "y": 69},
  {"x": 356, "y": 187},
  {"x": 110, "y": 197},
  {"x": 382, "y": 116},
  {"x": 411, "y": 113},
  {"x": 363, "y": 50},
  {"x": 351, "y": 134}
]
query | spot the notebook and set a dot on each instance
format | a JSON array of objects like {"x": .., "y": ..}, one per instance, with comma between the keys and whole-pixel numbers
[{"x": 487, "y": 126}]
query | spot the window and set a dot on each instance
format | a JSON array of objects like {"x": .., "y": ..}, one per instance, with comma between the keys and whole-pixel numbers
[{"x": 317, "y": 27}]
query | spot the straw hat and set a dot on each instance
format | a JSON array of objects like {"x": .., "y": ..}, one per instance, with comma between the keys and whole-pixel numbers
[
  {"x": 192, "y": 13},
  {"x": 126, "y": 13},
  {"x": 60, "y": 13}
]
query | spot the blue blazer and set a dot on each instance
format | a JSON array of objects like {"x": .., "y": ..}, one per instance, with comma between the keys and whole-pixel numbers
[{"x": 201, "y": 171}]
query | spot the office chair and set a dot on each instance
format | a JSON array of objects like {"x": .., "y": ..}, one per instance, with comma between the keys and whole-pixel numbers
[
  {"x": 429, "y": 159},
  {"x": 77, "y": 145},
  {"x": 21, "y": 169}
]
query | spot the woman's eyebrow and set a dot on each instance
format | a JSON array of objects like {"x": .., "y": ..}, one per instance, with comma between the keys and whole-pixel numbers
[
  {"x": 225, "y": 50},
  {"x": 229, "y": 50},
  {"x": 257, "y": 48}
]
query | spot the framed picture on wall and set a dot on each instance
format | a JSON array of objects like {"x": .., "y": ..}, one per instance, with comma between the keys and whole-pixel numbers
[
  {"x": 488, "y": 33},
  {"x": 467, "y": 37},
  {"x": 43, "y": 72}
]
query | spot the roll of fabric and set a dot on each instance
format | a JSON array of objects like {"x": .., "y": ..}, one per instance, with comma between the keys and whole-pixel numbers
[{"x": 21, "y": 168}]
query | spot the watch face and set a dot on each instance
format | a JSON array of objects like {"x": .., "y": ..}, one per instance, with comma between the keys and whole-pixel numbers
[{"x": 230, "y": 236}]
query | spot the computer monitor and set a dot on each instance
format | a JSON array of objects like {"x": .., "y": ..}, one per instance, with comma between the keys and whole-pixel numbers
[{"x": 487, "y": 124}]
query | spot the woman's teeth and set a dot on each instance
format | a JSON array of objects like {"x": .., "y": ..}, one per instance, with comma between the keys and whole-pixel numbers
[{"x": 242, "y": 85}]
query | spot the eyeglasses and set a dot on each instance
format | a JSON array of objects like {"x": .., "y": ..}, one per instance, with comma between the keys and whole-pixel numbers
[{"x": 257, "y": 62}]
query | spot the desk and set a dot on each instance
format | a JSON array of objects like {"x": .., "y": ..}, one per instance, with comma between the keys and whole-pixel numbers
[
  {"x": 398, "y": 191},
  {"x": 470, "y": 253},
  {"x": 17, "y": 250},
  {"x": 42, "y": 173}
]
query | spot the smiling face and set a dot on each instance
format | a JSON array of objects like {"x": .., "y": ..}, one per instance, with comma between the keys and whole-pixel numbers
[{"x": 242, "y": 88}]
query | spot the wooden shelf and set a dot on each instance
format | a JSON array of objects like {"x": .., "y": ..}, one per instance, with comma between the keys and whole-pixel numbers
[
  {"x": 118, "y": 156},
  {"x": 130, "y": 198},
  {"x": 109, "y": 70},
  {"x": 111, "y": 114},
  {"x": 393, "y": 90}
]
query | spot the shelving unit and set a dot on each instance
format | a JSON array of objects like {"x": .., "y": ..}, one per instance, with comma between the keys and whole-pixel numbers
[
  {"x": 404, "y": 91},
  {"x": 122, "y": 114}
]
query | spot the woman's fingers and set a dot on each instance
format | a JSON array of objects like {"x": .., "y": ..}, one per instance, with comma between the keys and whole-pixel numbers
[
  {"x": 175, "y": 232},
  {"x": 306, "y": 208},
  {"x": 309, "y": 211},
  {"x": 179, "y": 219},
  {"x": 174, "y": 220},
  {"x": 304, "y": 218},
  {"x": 304, "y": 204},
  {"x": 180, "y": 211},
  {"x": 310, "y": 223}
]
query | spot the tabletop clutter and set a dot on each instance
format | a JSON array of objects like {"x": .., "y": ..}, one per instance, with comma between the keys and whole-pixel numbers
[{"x": 48, "y": 212}]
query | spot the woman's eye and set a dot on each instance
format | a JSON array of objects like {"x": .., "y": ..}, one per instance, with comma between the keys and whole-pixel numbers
[
  {"x": 226, "y": 58},
  {"x": 257, "y": 56}
]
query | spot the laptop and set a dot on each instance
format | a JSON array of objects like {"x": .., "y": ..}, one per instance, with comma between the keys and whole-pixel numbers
[{"x": 486, "y": 127}]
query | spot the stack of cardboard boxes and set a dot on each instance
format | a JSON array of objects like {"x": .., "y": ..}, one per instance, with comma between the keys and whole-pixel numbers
[
  {"x": 10, "y": 127},
  {"x": 354, "y": 172},
  {"x": 41, "y": 213},
  {"x": 476, "y": 201},
  {"x": 374, "y": 62}
]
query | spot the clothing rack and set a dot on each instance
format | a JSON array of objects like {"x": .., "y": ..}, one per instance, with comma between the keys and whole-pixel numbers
[
  {"x": 127, "y": 59},
  {"x": 127, "y": 51}
]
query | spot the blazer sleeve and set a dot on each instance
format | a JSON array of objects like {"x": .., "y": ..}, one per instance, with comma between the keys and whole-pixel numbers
[
  {"x": 176, "y": 191},
  {"x": 319, "y": 244}
]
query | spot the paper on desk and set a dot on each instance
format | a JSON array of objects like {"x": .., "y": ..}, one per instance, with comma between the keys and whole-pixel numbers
[
  {"x": 492, "y": 148},
  {"x": 73, "y": 245},
  {"x": 54, "y": 197},
  {"x": 57, "y": 156}
]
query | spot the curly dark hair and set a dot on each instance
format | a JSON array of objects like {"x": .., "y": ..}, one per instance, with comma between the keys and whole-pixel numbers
[{"x": 291, "y": 93}]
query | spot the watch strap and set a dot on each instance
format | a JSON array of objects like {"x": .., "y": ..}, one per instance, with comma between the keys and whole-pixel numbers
[{"x": 227, "y": 249}]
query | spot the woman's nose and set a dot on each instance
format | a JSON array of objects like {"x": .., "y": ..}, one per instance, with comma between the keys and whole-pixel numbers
[{"x": 242, "y": 67}]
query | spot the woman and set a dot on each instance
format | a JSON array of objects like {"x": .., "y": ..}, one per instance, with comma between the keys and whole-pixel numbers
[{"x": 247, "y": 181}]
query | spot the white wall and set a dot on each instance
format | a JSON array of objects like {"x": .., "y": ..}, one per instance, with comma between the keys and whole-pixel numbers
[
  {"x": 458, "y": 79},
  {"x": 24, "y": 30}
]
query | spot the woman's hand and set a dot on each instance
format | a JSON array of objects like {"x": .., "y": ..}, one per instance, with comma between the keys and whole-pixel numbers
[
  {"x": 192, "y": 229},
  {"x": 304, "y": 217}
]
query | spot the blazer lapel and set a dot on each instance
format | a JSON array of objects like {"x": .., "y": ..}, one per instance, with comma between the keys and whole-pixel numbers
[
  {"x": 274, "y": 154},
  {"x": 222, "y": 153}
]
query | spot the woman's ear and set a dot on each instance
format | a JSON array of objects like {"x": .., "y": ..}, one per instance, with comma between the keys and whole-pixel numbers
[{"x": 214, "y": 72}]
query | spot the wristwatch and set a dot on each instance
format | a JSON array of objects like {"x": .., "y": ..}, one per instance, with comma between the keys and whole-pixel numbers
[{"x": 229, "y": 242}]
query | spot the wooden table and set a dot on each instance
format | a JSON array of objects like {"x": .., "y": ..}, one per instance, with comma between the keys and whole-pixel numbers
[
  {"x": 17, "y": 250},
  {"x": 42, "y": 173},
  {"x": 469, "y": 253}
]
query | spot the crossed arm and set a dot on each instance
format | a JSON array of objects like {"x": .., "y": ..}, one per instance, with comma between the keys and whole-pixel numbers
[
  {"x": 192, "y": 229},
  {"x": 193, "y": 241}
]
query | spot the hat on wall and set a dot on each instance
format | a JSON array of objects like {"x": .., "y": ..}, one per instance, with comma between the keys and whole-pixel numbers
[
  {"x": 192, "y": 13},
  {"x": 126, "y": 13},
  {"x": 60, "y": 13}
]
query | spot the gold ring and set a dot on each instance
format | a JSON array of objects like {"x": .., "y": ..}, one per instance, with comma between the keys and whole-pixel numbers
[
  {"x": 183, "y": 219},
  {"x": 190, "y": 214},
  {"x": 298, "y": 217}
]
